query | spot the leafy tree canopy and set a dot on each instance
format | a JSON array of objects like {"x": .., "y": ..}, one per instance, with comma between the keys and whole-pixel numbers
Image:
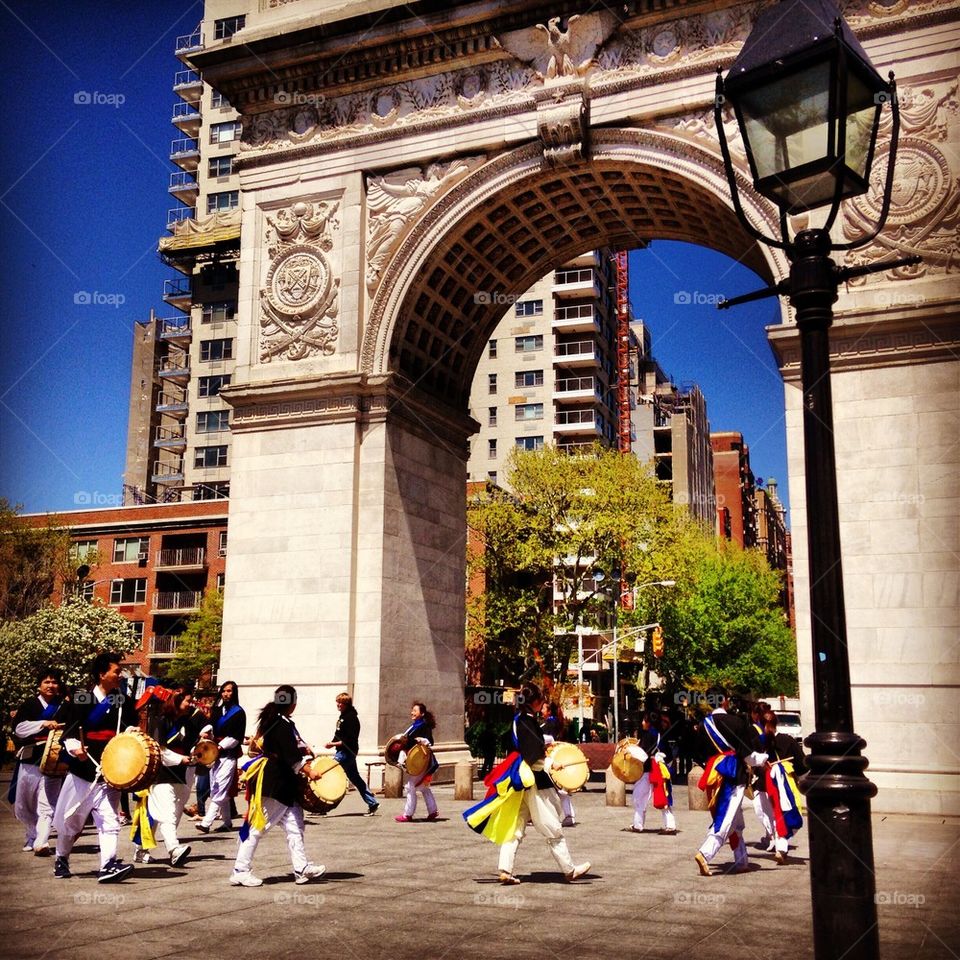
[{"x": 198, "y": 649}]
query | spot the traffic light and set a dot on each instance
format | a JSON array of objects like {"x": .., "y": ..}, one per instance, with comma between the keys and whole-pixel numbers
[{"x": 656, "y": 641}]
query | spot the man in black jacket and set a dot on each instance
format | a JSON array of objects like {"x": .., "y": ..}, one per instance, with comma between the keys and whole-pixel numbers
[{"x": 346, "y": 742}]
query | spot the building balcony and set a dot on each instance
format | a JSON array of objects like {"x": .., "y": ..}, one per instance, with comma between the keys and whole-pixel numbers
[
  {"x": 188, "y": 86},
  {"x": 188, "y": 43},
  {"x": 576, "y": 352},
  {"x": 180, "y": 601},
  {"x": 182, "y": 558},
  {"x": 567, "y": 422},
  {"x": 577, "y": 448},
  {"x": 176, "y": 367},
  {"x": 177, "y": 214},
  {"x": 576, "y": 318},
  {"x": 174, "y": 328},
  {"x": 170, "y": 438},
  {"x": 577, "y": 389},
  {"x": 167, "y": 473},
  {"x": 178, "y": 292},
  {"x": 164, "y": 645},
  {"x": 174, "y": 404},
  {"x": 185, "y": 153},
  {"x": 184, "y": 187},
  {"x": 578, "y": 282},
  {"x": 186, "y": 118}
]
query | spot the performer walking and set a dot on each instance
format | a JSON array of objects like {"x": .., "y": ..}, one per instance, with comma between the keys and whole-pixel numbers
[
  {"x": 175, "y": 729},
  {"x": 273, "y": 791},
  {"x": 551, "y": 727},
  {"x": 655, "y": 783},
  {"x": 36, "y": 793},
  {"x": 519, "y": 788},
  {"x": 95, "y": 717},
  {"x": 781, "y": 795},
  {"x": 733, "y": 747},
  {"x": 346, "y": 743},
  {"x": 228, "y": 726},
  {"x": 419, "y": 731}
]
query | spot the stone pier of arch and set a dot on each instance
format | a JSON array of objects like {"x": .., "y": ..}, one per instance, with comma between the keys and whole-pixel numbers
[{"x": 401, "y": 165}]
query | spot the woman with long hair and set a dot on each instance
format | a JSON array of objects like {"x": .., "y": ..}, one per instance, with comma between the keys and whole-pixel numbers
[
  {"x": 419, "y": 731},
  {"x": 228, "y": 724},
  {"x": 274, "y": 791}
]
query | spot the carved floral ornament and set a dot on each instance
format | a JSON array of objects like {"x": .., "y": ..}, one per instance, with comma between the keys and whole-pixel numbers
[{"x": 299, "y": 303}]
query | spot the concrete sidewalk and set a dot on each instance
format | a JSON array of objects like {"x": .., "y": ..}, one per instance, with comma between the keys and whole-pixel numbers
[{"x": 428, "y": 890}]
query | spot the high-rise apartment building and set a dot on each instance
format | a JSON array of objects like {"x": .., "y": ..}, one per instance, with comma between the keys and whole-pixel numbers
[
  {"x": 736, "y": 489},
  {"x": 178, "y": 444}
]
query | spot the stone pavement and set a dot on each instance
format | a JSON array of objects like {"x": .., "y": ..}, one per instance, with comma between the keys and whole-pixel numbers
[{"x": 428, "y": 890}]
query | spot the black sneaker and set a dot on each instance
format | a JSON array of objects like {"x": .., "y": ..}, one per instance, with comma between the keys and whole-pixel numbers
[
  {"x": 372, "y": 810},
  {"x": 61, "y": 868},
  {"x": 114, "y": 871}
]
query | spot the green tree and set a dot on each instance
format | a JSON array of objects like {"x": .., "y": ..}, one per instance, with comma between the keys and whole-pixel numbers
[
  {"x": 68, "y": 637},
  {"x": 198, "y": 649}
]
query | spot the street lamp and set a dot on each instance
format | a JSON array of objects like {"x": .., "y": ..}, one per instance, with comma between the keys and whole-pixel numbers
[{"x": 808, "y": 103}]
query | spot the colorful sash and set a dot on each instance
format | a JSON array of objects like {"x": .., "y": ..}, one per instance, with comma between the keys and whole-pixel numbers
[
  {"x": 141, "y": 825},
  {"x": 785, "y": 797},
  {"x": 100, "y": 711},
  {"x": 662, "y": 787},
  {"x": 718, "y": 782},
  {"x": 495, "y": 817},
  {"x": 220, "y": 721},
  {"x": 52, "y": 707},
  {"x": 256, "y": 817}
]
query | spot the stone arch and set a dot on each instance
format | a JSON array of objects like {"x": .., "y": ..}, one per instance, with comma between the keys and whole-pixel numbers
[{"x": 513, "y": 219}]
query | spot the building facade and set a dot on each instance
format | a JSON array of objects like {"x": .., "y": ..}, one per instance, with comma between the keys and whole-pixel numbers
[{"x": 736, "y": 489}]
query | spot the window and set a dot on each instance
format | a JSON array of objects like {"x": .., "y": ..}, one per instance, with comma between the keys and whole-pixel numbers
[
  {"x": 136, "y": 630},
  {"x": 223, "y": 543},
  {"x": 491, "y": 448},
  {"x": 492, "y": 351},
  {"x": 528, "y": 411},
  {"x": 528, "y": 308},
  {"x": 84, "y": 590},
  {"x": 128, "y": 591},
  {"x": 210, "y": 457},
  {"x": 491, "y": 416},
  {"x": 216, "y": 349},
  {"x": 219, "y": 312},
  {"x": 530, "y": 443},
  {"x": 529, "y": 378},
  {"x": 529, "y": 344},
  {"x": 491, "y": 383},
  {"x": 221, "y": 167},
  {"x": 492, "y": 476},
  {"x": 213, "y": 421},
  {"x": 217, "y": 99},
  {"x": 224, "y": 200},
  {"x": 228, "y": 26},
  {"x": 211, "y": 491},
  {"x": 211, "y": 386},
  {"x": 221, "y": 579},
  {"x": 225, "y": 132},
  {"x": 81, "y": 549},
  {"x": 128, "y": 549}
]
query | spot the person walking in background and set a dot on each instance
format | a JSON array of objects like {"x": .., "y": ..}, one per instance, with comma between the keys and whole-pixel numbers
[
  {"x": 228, "y": 726},
  {"x": 420, "y": 730},
  {"x": 346, "y": 744},
  {"x": 655, "y": 782}
]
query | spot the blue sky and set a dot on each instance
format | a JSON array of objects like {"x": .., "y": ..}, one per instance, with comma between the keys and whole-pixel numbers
[{"x": 83, "y": 200}]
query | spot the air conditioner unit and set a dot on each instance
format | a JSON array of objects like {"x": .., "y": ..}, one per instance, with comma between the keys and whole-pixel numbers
[{"x": 142, "y": 557}]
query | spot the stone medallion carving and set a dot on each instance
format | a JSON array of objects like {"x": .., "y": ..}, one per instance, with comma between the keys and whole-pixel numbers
[
  {"x": 299, "y": 302},
  {"x": 396, "y": 200}
]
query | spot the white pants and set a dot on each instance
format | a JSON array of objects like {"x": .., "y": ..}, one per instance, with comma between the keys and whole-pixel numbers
[
  {"x": 732, "y": 824},
  {"x": 221, "y": 783},
  {"x": 642, "y": 795},
  {"x": 77, "y": 800},
  {"x": 165, "y": 804},
  {"x": 410, "y": 789},
  {"x": 543, "y": 808},
  {"x": 566, "y": 804},
  {"x": 763, "y": 808},
  {"x": 291, "y": 819},
  {"x": 35, "y": 803}
]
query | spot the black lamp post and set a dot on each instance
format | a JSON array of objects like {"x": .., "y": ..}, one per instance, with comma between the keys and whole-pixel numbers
[{"x": 808, "y": 103}]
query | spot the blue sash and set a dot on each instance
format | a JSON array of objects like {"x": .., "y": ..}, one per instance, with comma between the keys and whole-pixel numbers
[
  {"x": 220, "y": 721},
  {"x": 719, "y": 740},
  {"x": 99, "y": 711},
  {"x": 50, "y": 711}
]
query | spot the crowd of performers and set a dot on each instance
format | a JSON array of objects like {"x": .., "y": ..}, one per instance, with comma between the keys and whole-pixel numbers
[{"x": 743, "y": 756}]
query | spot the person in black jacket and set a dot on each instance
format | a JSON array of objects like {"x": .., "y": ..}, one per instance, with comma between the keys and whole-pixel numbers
[
  {"x": 783, "y": 810},
  {"x": 346, "y": 743},
  {"x": 275, "y": 791},
  {"x": 95, "y": 717},
  {"x": 228, "y": 726},
  {"x": 540, "y": 802},
  {"x": 652, "y": 749}
]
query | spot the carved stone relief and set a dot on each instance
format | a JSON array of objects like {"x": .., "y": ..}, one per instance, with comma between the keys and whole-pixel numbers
[
  {"x": 563, "y": 125},
  {"x": 396, "y": 200},
  {"x": 299, "y": 302}
]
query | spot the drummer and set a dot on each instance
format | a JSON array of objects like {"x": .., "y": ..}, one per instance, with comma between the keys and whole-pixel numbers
[
  {"x": 552, "y": 726},
  {"x": 228, "y": 725},
  {"x": 652, "y": 753},
  {"x": 36, "y": 794},
  {"x": 419, "y": 731},
  {"x": 274, "y": 791},
  {"x": 94, "y": 718},
  {"x": 177, "y": 733}
]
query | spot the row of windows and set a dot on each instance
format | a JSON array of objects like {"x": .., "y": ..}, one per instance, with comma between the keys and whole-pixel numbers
[
  {"x": 525, "y": 344},
  {"x": 522, "y": 411},
  {"x": 525, "y": 443},
  {"x": 130, "y": 592},
  {"x": 125, "y": 549},
  {"x": 522, "y": 378}
]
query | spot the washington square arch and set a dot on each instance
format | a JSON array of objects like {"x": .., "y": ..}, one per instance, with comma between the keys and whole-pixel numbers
[{"x": 406, "y": 167}]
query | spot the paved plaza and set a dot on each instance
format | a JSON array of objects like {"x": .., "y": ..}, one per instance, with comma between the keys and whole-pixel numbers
[{"x": 428, "y": 890}]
